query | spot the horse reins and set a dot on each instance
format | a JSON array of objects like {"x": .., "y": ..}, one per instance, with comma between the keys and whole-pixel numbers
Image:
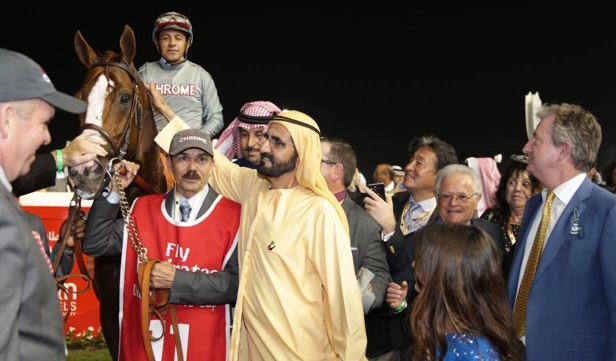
[
  {"x": 74, "y": 214},
  {"x": 154, "y": 302}
]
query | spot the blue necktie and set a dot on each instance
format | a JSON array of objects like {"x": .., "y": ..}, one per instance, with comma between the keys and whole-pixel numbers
[
  {"x": 414, "y": 208},
  {"x": 185, "y": 210}
]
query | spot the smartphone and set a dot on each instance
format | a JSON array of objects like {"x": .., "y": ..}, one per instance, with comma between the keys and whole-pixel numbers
[{"x": 378, "y": 188}]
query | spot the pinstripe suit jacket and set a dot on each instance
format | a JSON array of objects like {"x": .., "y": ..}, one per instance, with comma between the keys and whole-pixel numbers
[{"x": 32, "y": 326}]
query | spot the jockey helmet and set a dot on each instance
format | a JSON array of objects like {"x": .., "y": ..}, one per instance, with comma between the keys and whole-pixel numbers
[{"x": 172, "y": 21}]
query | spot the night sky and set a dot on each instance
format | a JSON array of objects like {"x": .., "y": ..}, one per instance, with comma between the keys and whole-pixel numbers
[{"x": 460, "y": 73}]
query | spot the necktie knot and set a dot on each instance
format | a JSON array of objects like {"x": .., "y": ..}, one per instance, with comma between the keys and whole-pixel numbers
[
  {"x": 413, "y": 217},
  {"x": 414, "y": 207},
  {"x": 185, "y": 210}
]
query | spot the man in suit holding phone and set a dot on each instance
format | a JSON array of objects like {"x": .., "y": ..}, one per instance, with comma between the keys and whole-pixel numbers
[
  {"x": 562, "y": 283},
  {"x": 406, "y": 213}
]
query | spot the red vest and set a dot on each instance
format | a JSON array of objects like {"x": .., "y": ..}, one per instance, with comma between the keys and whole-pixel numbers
[{"x": 204, "y": 245}]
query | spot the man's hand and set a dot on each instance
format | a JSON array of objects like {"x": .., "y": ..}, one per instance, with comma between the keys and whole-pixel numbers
[
  {"x": 396, "y": 294},
  {"x": 128, "y": 171},
  {"x": 382, "y": 211},
  {"x": 77, "y": 232},
  {"x": 84, "y": 148},
  {"x": 158, "y": 102},
  {"x": 162, "y": 275}
]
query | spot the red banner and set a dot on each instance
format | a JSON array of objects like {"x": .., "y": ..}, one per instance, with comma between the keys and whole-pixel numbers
[{"x": 53, "y": 208}]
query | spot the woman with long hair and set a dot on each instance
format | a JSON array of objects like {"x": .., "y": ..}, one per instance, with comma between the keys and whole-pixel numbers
[{"x": 461, "y": 311}]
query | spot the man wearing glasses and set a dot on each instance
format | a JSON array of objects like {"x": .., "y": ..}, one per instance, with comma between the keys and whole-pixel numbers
[
  {"x": 298, "y": 297},
  {"x": 458, "y": 191}
]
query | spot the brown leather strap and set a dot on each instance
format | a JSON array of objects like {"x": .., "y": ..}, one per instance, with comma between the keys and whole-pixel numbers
[
  {"x": 155, "y": 304},
  {"x": 145, "y": 186},
  {"x": 73, "y": 209},
  {"x": 74, "y": 213},
  {"x": 68, "y": 292},
  {"x": 78, "y": 256}
]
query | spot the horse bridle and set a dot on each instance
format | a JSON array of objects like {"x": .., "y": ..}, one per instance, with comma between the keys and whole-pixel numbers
[
  {"x": 135, "y": 117},
  {"x": 121, "y": 148}
]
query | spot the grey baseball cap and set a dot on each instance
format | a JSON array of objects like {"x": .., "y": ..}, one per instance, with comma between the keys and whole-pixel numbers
[
  {"x": 190, "y": 138},
  {"x": 22, "y": 78}
]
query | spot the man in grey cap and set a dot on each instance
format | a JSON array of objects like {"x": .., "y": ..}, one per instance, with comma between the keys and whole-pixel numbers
[
  {"x": 32, "y": 323},
  {"x": 193, "y": 231},
  {"x": 25, "y": 84}
]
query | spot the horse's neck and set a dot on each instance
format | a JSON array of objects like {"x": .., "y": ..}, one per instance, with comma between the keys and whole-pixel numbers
[{"x": 152, "y": 169}]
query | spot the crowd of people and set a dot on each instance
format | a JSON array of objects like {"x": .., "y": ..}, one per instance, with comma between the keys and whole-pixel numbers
[{"x": 265, "y": 250}]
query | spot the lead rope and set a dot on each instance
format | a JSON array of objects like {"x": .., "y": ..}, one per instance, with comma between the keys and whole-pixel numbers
[
  {"x": 158, "y": 304},
  {"x": 74, "y": 213}
]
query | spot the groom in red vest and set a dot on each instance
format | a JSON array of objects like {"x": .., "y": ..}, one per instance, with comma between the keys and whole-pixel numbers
[{"x": 193, "y": 230}]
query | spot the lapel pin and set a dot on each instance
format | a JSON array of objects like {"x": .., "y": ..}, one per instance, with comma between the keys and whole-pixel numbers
[
  {"x": 272, "y": 245},
  {"x": 575, "y": 227}
]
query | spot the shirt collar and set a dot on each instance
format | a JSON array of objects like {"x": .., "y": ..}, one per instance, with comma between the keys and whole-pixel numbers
[
  {"x": 5, "y": 180},
  {"x": 340, "y": 196},
  {"x": 426, "y": 204},
  {"x": 195, "y": 201},
  {"x": 565, "y": 191}
]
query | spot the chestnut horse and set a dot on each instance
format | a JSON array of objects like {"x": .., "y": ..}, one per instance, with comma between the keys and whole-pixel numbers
[{"x": 119, "y": 109}]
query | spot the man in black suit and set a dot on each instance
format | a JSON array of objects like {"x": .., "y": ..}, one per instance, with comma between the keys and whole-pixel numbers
[
  {"x": 407, "y": 212},
  {"x": 458, "y": 189},
  {"x": 458, "y": 193}
]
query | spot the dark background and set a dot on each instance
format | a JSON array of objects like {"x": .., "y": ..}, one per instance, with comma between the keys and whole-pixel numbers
[{"x": 459, "y": 72}]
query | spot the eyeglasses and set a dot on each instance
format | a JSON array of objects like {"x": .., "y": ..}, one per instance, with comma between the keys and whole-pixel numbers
[
  {"x": 463, "y": 198},
  {"x": 329, "y": 162},
  {"x": 274, "y": 142}
]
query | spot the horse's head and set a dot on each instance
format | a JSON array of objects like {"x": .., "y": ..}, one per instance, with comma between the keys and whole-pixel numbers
[{"x": 118, "y": 109}]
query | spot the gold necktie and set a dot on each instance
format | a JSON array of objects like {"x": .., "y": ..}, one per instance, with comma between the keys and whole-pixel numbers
[{"x": 519, "y": 310}]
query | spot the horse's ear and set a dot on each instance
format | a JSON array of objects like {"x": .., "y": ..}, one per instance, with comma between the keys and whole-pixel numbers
[
  {"x": 86, "y": 54},
  {"x": 127, "y": 45}
]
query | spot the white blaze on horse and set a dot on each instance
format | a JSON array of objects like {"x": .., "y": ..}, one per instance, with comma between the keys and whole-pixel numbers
[{"x": 94, "y": 115}]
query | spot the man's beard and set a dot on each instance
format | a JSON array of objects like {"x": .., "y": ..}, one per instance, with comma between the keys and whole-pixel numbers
[
  {"x": 255, "y": 158},
  {"x": 277, "y": 169}
]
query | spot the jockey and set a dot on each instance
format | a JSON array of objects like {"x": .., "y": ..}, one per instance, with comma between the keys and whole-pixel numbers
[
  {"x": 186, "y": 87},
  {"x": 173, "y": 21}
]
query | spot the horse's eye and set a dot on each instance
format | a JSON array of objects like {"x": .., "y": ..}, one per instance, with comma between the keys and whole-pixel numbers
[{"x": 125, "y": 99}]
